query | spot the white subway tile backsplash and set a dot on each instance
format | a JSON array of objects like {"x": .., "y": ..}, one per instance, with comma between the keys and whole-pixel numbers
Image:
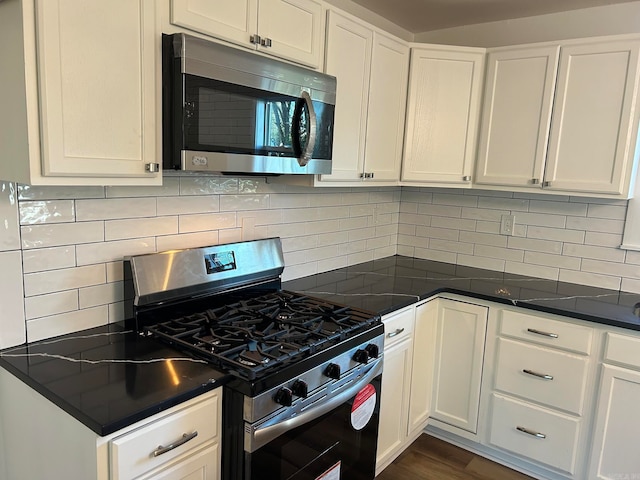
[
  {"x": 189, "y": 240},
  {"x": 603, "y": 239},
  {"x": 54, "y": 325},
  {"x": 243, "y": 202},
  {"x": 141, "y": 227},
  {"x": 115, "y": 271},
  {"x": 170, "y": 188},
  {"x": 12, "y": 318},
  {"x": 540, "y": 219},
  {"x": 41, "y": 259},
  {"x": 614, "y": 212},
  {"x": 630, "y": 285},
  {"x": 116, "y": 250},
  {"x": 552, "y": 260},
  {"x": 558, "y": 208},
  {"x": 50, "y": 304},
  {"x": 457, "y": 223},
  {"x": 592, "y": 279},
  {"x": 528, "y": 269},
  {"x": 115, "y": 208},
  {"x": 497, "y": 203},
  {"x": 435, "y": 255},
  {"x": 610, "y": 268},
  {"x": 483, "y": 238},
  {"x": 58, "y": 234},
  {"x": 206, "y": 221},
  {"x": 28, "y": 192},
  {"x": 534, "y": 244},
  {"x": 459, "y": 200},
  {"x": 594, "y": 252},
  {"x": 442, "y": 233},
  {"x": 483, "y": 214},
  {"x": 187, "y": 205},
  {"x": 116, "y": 312},
  {"x": 9, "y": 229},
  {"x": 595, "y": 224},
  {"x": 439, "y": 210},
  {"x": 481, "y": 262},
  {"x": 559, "y": 234},
  {"x": 207, "y": 185},
  {"x": 499, "y": 253},
  {"x": 47, "y": 211},
  {"x": 64, "y": 279},
  {"x": 101, "y": 294},
  {"x": 289, "y": 200},
  {"x": 449, "y": 246}
]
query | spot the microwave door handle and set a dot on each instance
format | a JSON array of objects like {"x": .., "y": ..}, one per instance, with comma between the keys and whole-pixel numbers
[{"x": 306, "y": 154}]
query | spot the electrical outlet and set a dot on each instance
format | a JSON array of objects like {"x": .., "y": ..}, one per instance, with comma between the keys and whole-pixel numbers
[{"x": 507, "y": 224}]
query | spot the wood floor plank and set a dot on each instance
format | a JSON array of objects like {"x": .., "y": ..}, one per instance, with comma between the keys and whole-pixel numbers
[{"x": 429, "y": 458}]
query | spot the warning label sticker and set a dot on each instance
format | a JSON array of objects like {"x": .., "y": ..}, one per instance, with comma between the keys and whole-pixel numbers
[
  {"x": 363, "y": 407},
  {"x": 332, "y": 474}
]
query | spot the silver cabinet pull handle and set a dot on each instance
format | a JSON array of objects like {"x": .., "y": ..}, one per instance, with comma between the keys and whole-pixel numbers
[
  {"x": 185, "y": 438},
  {"x": 466, "y": 178},
  {"x": 535, "y": 181},
  {"x": 397, "y": 332},
  {"x": 546, "y": 184},
  {"x": 539, "y": 375},
  {"x": 255, "y": 39},
  {"x": 531, "y": 432},
  {"x": 540, "y": 332},
  {"x": 265, "y": 42}
]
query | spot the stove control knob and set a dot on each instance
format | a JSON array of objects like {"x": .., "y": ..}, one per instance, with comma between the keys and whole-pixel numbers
[
  {"x": 300, "y": 388},
  {"x": 373, "y": 350},
  {"x": 284, "y": 397},
  {"x": 361, "y": 356},
  {"x": 333, "y": 371}
]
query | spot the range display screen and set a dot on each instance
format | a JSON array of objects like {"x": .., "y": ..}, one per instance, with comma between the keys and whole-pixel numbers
[{"x": 220, "y": 262}]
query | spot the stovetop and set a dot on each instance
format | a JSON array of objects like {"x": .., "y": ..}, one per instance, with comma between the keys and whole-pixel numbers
[{"x": 253, "y": 336}]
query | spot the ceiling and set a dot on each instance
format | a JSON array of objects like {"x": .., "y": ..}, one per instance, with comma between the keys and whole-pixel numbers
[{"x": 419, "y": 16}]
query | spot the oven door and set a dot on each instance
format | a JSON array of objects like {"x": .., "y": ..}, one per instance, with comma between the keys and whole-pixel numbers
[{"x": 340, "y": 443}]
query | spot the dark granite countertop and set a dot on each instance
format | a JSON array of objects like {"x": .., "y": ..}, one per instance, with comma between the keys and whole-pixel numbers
[
  {"x": 109, "y": 377},
  {"x": 385, "y": 285}
]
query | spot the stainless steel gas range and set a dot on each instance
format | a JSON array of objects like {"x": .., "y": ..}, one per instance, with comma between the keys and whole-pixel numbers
[{"x": 304, "y": 398}]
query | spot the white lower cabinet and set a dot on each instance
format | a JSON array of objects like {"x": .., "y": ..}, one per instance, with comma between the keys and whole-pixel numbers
[
  {"x": 614, "y": 453},
  {"x": 459, "y": 354},
  {"x": 406, "y": 379},
  {"x": 43, "y": 441}
]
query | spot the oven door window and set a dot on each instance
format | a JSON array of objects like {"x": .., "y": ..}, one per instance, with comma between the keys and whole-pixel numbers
[
  {"x": 227, "y": 118},
  {"x": 321, "y": 449}
]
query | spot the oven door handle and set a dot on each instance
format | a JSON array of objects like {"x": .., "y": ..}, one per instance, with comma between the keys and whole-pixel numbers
[{"x": 267, "y": 431}]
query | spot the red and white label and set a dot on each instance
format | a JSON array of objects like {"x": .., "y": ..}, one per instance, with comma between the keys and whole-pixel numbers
[
  {"x": 363, "y": 406},
  {"x": 332, "y": 474}
]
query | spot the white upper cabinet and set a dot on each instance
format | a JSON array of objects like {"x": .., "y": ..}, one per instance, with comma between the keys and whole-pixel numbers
[
  {"x": 289, "y": 29},
  {"x": 442, "y": 115},
  {"x": 565, "y": 123},
  {"x": 371, "y": 69},
  {"x": 519, "y": 85},
  {"x": 81, "y": 83},
  {"x": 595, "y": 119}
]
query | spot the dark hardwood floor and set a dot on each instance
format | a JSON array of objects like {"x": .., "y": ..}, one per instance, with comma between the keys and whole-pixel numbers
[{"x": 431, "y": 459}]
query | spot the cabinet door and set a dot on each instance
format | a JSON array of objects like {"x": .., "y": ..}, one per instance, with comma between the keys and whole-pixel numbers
[
  {"x": 424, "y": 347},
  {"x": 396, "y": 378},
  {"x": 293, "y": 29},
  {"x": 97, "y": 85},
  {"x": 460, "y": 336},
  {"x": 349, "y": 60},
  {"x": 516, "y": 116},
  {"x": 233, "y": 21},
  {"x": 615, "y": 448},
  {"x": 387, "y": 102},
  {"x": 442, "y": 116},
  {"x": 595, "y": 122}
]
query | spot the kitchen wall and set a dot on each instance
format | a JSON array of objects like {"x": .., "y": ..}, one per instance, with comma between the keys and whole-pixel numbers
[
  {"x": 571, "y": 239},
  {"x": 61, "y": 247}
]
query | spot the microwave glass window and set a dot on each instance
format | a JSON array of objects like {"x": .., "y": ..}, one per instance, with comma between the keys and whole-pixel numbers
[{"x": 227, "y": 118}]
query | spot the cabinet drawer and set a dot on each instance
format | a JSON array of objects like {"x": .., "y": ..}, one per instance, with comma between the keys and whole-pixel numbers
[
  {"x": 132, "y": 454},
  {"x": 398, "y": 326},
  {"x": 557, "y": 448},
  {"x": 554, "y": 378},
  {"x": 554, "y": 333},
  {"x": 622, "y": 349}
]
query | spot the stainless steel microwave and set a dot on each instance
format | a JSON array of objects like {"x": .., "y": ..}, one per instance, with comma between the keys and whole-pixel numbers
[{"x": 230, "y": 111}]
